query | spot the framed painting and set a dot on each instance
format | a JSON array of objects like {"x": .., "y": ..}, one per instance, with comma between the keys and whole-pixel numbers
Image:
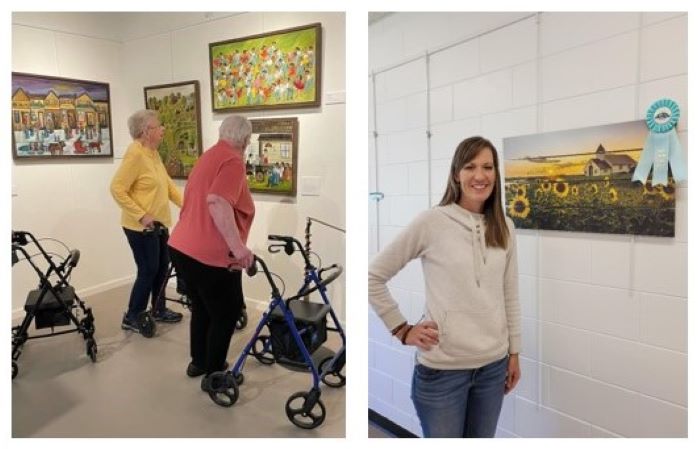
[
  {"x": 59, "y": 118},
  {"x": 271, "y": 156},
  {"x": 276, "y": 70},
  {"x": 581, "y": 180},
  {"x": 179, "y": 112}
]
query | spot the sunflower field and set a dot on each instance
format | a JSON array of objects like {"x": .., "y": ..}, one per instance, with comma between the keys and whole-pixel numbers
[{"x": 609, "y": 204}]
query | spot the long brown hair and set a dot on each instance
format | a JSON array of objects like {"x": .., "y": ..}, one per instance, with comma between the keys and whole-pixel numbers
[{"x": 497, "y": 233}]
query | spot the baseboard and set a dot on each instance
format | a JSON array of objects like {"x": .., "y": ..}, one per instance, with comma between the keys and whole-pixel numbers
[
  {"x": 103, "y": 287},
  {"x": 389, "y": 425}
]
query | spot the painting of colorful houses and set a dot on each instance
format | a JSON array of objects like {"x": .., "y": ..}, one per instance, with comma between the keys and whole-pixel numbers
[
  {"x": 271, "y": 156},
  {"x": 59, "y": 118},
  {"x": 581, "y": 180},
  {"x": 281, "y": 69}
]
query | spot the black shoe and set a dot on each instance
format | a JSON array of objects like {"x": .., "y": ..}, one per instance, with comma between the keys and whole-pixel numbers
[
  {"x": 195, "y": 371},
  {"x": 130, "y": 325},
  {"x": 168, "y": 316}
]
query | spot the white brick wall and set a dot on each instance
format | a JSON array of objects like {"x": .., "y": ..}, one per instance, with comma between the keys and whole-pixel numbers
[{"x": 604, "y": 316}]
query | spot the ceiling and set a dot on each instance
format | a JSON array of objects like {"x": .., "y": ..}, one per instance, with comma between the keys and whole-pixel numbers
[
  {"x": 375, "y": 17},
  {"x": 115, "y": 26}
]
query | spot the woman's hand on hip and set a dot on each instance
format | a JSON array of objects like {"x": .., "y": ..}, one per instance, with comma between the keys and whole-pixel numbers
[
  {"x": 513, "y": 372},
  {"x": 147, "y": 221},
  {"x": 423, "y": 335}
]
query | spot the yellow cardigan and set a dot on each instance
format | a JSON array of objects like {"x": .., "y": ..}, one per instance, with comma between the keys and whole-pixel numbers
[{"x": 142, "y": 186}]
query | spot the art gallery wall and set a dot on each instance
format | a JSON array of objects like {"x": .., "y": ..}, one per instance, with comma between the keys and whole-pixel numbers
[
  {"x": 604, "y": 316},
  {"x": 70, "y": 200}
]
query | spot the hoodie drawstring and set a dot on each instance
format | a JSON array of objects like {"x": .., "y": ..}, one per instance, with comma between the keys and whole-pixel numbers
[
  {"x": 478, "y": 248},
  {"x": 477, "y": 228}
]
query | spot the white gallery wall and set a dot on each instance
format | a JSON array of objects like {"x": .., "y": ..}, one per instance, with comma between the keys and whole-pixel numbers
[
  {"x": 604, "y": 316},
  {"x": 70, "y": 200}
]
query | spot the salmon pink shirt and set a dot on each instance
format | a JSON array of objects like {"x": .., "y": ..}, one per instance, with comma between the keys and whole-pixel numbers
[{"x": 220, "y": 171}]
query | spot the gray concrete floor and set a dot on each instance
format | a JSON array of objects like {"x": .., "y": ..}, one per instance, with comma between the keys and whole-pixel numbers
[
  {"x": 375, "y": 431},
  {"x": 138, "y": 387}
]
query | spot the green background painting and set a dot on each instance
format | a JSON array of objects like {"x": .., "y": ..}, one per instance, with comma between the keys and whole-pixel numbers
[
  {"x": 178, "y": 110},
  {"x": 273, "y": 70}
]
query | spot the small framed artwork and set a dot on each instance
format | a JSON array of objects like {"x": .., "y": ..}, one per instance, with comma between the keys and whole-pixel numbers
[
  {"x": 276, "y": 70},
  {"x": 55, "y": 118},
  {"x": 271, "y": 157},
  {"x": 179, "y": 112}
]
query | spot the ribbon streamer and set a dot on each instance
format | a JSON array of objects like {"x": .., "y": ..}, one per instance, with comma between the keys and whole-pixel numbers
[{"x": 662, "y": 147}]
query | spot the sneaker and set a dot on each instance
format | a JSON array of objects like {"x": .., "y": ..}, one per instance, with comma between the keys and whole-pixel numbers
[
  {"x": 130, "y": 325},
  {"x": 195, "y": 371},
  {"x": 168, "y": 316}
]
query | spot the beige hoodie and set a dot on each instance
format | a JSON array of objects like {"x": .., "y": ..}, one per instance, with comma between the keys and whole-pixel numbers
[{"x": 471, "y": 290}]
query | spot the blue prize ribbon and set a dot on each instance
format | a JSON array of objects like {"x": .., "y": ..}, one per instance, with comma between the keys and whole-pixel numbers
[{"x": 662, "y": 147}]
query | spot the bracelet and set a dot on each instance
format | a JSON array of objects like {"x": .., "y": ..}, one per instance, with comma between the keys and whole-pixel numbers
[
  {"x": 405, "y": 334},
  {"x": 398, "y": 328}
]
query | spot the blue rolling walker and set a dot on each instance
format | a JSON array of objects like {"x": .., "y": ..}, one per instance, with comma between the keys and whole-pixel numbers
[{"x": 297, "y": 328}]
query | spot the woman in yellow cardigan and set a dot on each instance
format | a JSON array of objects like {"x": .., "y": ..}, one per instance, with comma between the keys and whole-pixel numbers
[{"x": 143, "y": 190}]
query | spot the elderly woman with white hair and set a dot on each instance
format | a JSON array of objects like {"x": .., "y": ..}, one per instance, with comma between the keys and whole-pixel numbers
[
  {"x": 208, "y": 245},
  {"x": 143, "y": 190}
]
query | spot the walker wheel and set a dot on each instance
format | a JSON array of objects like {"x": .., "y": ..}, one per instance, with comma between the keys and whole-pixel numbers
[
  {"x": 88, "y": 325},
  {"x": 243, "y": 320},
  {"x": 334, "y": 379},
  {"x": 295, "y": 411},
  {"x": 239, "y": 378},
  {"x": 147, "y": 326},
  {"x": 15, "y": 369},
  {"x": 261, "y": 350},
  {"x": 91, "y": 347},
  {"x": 222, "y": 388}
]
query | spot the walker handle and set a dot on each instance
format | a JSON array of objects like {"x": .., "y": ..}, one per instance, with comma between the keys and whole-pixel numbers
[
  {"x": 288, "y": 243},
  {"x": 252, "y": 270},
  {"x": 275, "y": 248},
  {"x": 156, "y": 228}
]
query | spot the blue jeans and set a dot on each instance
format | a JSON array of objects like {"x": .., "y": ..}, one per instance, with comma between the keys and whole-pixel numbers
[
  {"x": 459, "y": 403},
  {"x": 151, "y": 257}
]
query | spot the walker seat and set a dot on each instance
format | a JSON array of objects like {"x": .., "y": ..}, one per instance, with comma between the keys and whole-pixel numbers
[
  {"x": 50, "y": 312},
  {"x": 310, "y": 321}
]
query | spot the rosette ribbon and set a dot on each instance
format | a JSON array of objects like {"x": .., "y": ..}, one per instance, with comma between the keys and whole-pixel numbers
[{"x": 662, "y": 147}]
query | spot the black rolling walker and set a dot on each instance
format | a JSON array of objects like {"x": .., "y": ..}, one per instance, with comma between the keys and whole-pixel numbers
[
  {"x": 51, "y": 304},
  {"x": 145, "y": 320},
  {"x": 296, "y": 330}
]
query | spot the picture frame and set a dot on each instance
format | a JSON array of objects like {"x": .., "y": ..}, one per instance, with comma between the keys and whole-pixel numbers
[
  {"x": 580, "y": 180},
  {"x": 60, "y": 118},
  {"x": 276, "y": 70},
  {"x": 271, "y": 156},
  {"x": 178, "y": 107}
]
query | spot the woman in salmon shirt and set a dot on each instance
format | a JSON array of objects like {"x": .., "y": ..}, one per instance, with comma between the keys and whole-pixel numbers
[{"x": 208, "y": 245}]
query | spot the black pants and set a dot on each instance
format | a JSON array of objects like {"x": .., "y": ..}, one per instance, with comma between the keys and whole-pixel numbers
[
  {"x": 217, "y": 298},
  {"x": 151, "y": 256}
]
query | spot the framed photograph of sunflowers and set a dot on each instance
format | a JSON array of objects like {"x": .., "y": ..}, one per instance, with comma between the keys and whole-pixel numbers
[{"x": 581, "y": 180}]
